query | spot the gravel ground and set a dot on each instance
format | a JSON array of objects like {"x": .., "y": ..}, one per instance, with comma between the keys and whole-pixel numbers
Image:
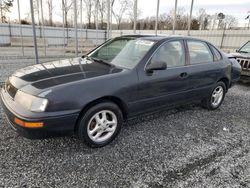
[{"x": 183, "y": 147}]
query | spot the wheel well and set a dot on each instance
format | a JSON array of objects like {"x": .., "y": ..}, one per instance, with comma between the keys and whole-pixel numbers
[
  {"x": 113, "y": 99},
  {"x": 226, "y": 82}
]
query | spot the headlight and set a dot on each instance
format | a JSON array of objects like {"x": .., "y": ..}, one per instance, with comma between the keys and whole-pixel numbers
[{"x": 34, "y": 104}]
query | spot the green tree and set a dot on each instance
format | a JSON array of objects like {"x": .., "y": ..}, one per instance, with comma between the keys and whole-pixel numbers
[{"x": 195, "y": 24}]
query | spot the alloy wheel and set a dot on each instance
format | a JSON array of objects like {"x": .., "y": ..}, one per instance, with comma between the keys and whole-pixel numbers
[
  {"x": 217, "y": 96},
  {"x": 102, "y": 126}
]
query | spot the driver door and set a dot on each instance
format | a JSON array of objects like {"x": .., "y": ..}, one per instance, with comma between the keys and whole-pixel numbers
[{"x": 164, "y": 87}]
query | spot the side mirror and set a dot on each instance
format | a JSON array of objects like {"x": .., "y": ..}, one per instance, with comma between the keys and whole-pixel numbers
[
  {"x": 237, "y": 50},
  {"x": 157, "y": 65}
]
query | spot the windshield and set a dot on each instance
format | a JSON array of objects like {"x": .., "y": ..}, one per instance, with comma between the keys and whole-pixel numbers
[
  {"x": 125, "y": 52},
  {"x": 245, "y": 48}
]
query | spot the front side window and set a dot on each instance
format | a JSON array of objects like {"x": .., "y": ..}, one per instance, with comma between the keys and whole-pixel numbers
[
  {"x": 199, "y": 52},
  {"x": 172, "y": 53},
  {"x": 123, "y": 52}
]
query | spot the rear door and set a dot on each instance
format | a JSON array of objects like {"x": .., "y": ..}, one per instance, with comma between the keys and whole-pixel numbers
[{"x": 204, "y": 69}]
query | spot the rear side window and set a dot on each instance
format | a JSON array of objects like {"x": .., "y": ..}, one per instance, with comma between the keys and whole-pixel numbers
[
  {"x": 217, "y": 54},
  {"x": 199, "y": 52}
]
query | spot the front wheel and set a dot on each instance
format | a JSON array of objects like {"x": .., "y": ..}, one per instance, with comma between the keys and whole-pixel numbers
[
  {"x": 100, "y": 124},
  {"x": 216, "y": 97}
]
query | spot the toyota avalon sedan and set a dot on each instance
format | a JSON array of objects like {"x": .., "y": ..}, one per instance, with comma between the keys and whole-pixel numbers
[{"x": 93, "y": 95}]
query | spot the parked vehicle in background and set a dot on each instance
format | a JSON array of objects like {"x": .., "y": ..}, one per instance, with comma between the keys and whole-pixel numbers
[
  {"x": 242, "y": 55},
  {"x": 126, "y": 76}
]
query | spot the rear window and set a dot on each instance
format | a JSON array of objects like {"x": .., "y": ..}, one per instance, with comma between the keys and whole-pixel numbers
[
  {"x": 199, "y": 52},
  {"x": 217, "y": 54}
]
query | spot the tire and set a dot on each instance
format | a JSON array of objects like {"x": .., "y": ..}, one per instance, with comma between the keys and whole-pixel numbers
[
  {"x": 100, "y": 124},
  {"x": 210, "y": 102}
]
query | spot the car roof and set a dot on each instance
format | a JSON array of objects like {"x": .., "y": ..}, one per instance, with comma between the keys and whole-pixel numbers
[
  {"x": 157, "y": 37},
  {"x": 154, "y": 37}
]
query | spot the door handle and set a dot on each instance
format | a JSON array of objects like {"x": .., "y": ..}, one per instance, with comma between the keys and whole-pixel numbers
[{"x": 183, "y": 75}]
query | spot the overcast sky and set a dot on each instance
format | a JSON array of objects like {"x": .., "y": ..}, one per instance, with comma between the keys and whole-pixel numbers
[{"x": 237, "y": 8}]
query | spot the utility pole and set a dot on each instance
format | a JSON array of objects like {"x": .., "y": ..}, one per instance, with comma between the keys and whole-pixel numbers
[
  {"x": 96, "y": 21},
  {"x": 175, "y": 9},
  {"x": 190, "y": 17},
  {"x": 34, "y": 30},
  {"x": 135, "y": 15},
  {"x": 157, "y": 16},
  {"x": 108, "y": 19},
  {"x": 38, "y": 12},
  {"x": 111, "y": 15},
  {"x": 75, "y": 20},
  {"x": 20, "y": 25},
  {"x": 44, "y": 39},
  {"x": 81, "y": 18},
  {"x": 63, "y": 15}
]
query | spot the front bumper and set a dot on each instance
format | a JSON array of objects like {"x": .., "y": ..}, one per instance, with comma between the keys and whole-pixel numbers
[
  {"x": 245, "y": 78},
  {"x": 53, "y": 126},
  {"x": 245, "y": 73}
]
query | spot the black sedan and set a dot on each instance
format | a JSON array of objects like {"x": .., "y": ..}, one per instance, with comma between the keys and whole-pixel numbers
[{"x": 91, "y": 96}]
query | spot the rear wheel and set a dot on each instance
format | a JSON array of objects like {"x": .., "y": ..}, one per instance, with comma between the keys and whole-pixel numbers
[
  {"x": 216, "y": 97},
  {"x": 100, "y": 124}
]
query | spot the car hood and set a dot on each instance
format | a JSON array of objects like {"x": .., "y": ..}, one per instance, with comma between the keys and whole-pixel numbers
[
  {"x": 46, "y": 75},
  {"x": 241, "y": 55}
]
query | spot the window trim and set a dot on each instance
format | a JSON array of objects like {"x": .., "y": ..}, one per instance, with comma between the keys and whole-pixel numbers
[
  {"x": 212, "y": 48},
  {"x": 201, "y": 41},
  {"x": 182, "y": 41}
]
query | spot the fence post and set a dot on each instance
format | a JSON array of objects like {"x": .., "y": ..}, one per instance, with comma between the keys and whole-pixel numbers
[
  {"x": 174, "y": 21},
  {"x": 9, "y": 29},
  {"x": 20, "y": 25},
  {"x": 157, "y": 15},
  {"x": 75, "y": 20},
  {"x": 44, "y": 39},
  {"x": 135, "y": 15},
  {"x": 222, "y": 37},
  {"x": 108, "y": 18},
  {"x": 81, "y": 27},
  {"x": 34, "y": 30},
  {"x": 105, "y": 35},
  {"x": 63, "y": 10},
  {"x": 190, "y": 17},
  {"x": 96, "y": 22}
]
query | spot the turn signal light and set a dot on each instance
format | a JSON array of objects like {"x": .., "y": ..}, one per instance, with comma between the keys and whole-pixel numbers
[{"x": 28, "y": 124}]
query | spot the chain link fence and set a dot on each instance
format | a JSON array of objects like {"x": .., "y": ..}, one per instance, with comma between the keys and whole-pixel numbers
[
  {"x": 227, "y": 40},
  {"x": 51, "y": 41}
]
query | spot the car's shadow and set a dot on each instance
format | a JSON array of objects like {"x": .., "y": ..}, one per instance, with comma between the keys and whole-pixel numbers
[{"x": 244, "y": 83}]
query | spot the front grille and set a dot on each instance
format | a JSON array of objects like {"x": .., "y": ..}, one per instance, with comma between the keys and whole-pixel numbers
[
  {"x": 245, "y": 63},
  {"x": 10, "y": 89}
]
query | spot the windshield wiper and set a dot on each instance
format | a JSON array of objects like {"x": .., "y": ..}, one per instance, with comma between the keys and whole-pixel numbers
[
  {"x": 245, "y": 52},
  {"x": 99, "y": 61}
]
